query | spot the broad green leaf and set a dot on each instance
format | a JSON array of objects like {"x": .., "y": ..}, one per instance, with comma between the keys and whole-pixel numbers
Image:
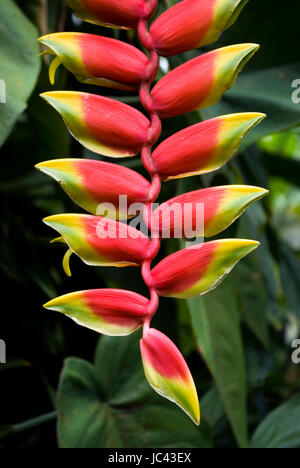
[
  {"x": 253, "y": 298},
  {"x": 212, "y": 407},
  {"x": 216, "y": 321},
  {"x": 20, "y": 64},
  {"x": 252, "y": 291},
  {"x": 281, "y": 428},
  {"x": 110, "y": 405},
  {"x": 256, "y": 221}
]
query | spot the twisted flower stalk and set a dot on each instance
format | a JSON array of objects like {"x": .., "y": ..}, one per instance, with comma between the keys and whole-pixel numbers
[{"x": 110, "y": 128}]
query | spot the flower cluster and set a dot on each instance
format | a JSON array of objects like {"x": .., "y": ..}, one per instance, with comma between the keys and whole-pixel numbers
[{"x": 111, "y": 128}]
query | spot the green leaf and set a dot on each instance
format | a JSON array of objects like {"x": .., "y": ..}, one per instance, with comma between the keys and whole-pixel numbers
[
  {"x": 255, "y": 222},
  {"x": 20, "y": 64},
  {"x": 212, "y": 407},
  {"x": 216, "y": 321},
  {"x": 282, "y": 143},
  {"x": 281, "y": 428},
  {"x": 110, "y": 405},
  {"x": 253, "y": 298},
  {"x": 253, "y": 294}
]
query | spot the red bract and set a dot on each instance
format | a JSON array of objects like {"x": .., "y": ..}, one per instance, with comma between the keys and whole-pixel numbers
[
  {"x": 200, "y": 82},
  {"x": 101, "y": 124},
  {"x": 168, "y": 373},
  {"x": 124, "y": 14},
  {"x": 97, "y": 60},
  {"x": 204, "y": 212},
  {"x": 111, "y": 128},
  {"x": 101, "y": 241},
  {"x": 193, "y": 23},
  {"x": 203, "y": 147},
  {"x": 109, "y": 311},
  {"x": 97, "y": 185},
  {"x": 197, "y": 270}
]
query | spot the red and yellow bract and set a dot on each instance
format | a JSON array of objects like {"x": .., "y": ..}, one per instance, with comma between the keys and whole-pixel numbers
[
  {"x": 112, "y": 312},
  {"x": 101, "y": 124},
  {"x": 205, "y": 212},
  {"x": 197, "y": 270},
  {"x": 94, "y": 185},
  {"x": 200, "y": 82},
  {"x": 203, "y": 147},
  {"x": 97, "y": 60},
  {"x": 193, "y": 23},
  {"x": 168, "y": 373},
  {"x": 101, "y": 241}
]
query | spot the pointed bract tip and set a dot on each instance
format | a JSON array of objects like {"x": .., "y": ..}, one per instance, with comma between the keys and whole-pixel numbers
[
  {"x": 57, "y": 302},
  {"x": 249, "y": 244},
  {"x": 50, "y": 220},
  {"x": 43, "y": 38},
  {"x": 53, "y": 96},
  {"x": 251, "y": 46},
  {"x": 261, "y": 191},
  {"x": 257, "y": 191},
  {"x": 258, "y": 116},
  {"x": 242, "y": 52},
  {"x": 63, "y": 218},
  {"x": 50, "y": 304},
  {"x": 44, "y": 167},
  {"x": 54, "y": 36}
]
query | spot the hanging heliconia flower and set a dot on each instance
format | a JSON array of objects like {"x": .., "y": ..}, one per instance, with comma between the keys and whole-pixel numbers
[{"x": 111, "y": 128}]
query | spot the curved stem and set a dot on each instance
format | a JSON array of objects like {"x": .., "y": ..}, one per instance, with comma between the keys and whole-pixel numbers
[{"x": 153, "y": 135}]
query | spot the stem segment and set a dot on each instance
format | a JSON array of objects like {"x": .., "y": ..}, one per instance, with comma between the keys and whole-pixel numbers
[{"x": 154, "y": 134}]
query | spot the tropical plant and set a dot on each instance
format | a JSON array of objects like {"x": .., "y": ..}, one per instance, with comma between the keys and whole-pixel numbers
[{"x": 114, "y": 129}]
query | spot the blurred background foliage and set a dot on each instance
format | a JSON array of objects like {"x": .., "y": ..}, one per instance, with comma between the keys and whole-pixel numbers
[{"x": 237, "y": 339}]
